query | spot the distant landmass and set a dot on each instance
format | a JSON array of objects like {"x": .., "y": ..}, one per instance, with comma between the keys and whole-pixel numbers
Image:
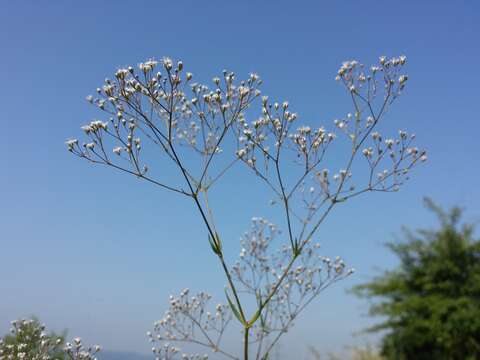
[{"x": 119, "y": 355}]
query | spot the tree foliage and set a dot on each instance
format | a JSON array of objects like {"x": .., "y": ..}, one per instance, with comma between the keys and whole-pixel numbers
[{"x": 431, "y": 301}]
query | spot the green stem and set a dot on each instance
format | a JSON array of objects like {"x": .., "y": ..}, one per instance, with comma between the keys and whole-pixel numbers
[
  {"x": 232, "y": 287},
  {"x": 210, "y": 230},
  {"x": 245, "y": 343}
]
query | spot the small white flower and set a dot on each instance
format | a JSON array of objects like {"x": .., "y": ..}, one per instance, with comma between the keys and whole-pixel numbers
[
  {"x": 71, "y": 143},
  {"x": 167, "y": 63},
  {"x": 241, "y": 153},
  {"x": 367, "y": 152},
  {"x": 87, "y": 129},
  {"x": 389, "y": 143},
  {"x": 402, "y": 79}
]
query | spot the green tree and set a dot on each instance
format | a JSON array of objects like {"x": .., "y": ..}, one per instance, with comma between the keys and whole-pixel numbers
[{"x": 431, "y": 301}]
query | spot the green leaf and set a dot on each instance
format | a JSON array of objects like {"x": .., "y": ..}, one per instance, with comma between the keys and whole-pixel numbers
[
  {"x": 218, "y": 242},
  {"x": 213, "y": 245},
  {"x": 254, "y": 318},
  {"x": 234, "y": 310}
]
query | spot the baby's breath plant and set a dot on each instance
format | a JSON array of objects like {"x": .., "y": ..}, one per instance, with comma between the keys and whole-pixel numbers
[
  {"x": 30, "y": 340},
  {"x": 159, "y": 110}
]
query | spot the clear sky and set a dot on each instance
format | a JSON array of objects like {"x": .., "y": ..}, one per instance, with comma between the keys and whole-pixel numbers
[{"x": 97, "y": 252}]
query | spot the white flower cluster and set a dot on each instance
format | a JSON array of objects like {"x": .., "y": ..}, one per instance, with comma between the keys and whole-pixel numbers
[
  {"x": 260, "y": 270},
  {"x": 403, "y": 157},
  {"x": 77, "y": 351},
  {"x": 265, "y": 136},
  {"x": 156, "y": 107},
  {"x": 30, "y": 340},
  {"x": 209, "y": 113},
  {"x": 188, "y": 319},
  {"x": 367, "y": 82}
]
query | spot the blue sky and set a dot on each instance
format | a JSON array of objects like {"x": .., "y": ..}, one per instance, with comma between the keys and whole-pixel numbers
[{"x": 97, "y": 252}]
